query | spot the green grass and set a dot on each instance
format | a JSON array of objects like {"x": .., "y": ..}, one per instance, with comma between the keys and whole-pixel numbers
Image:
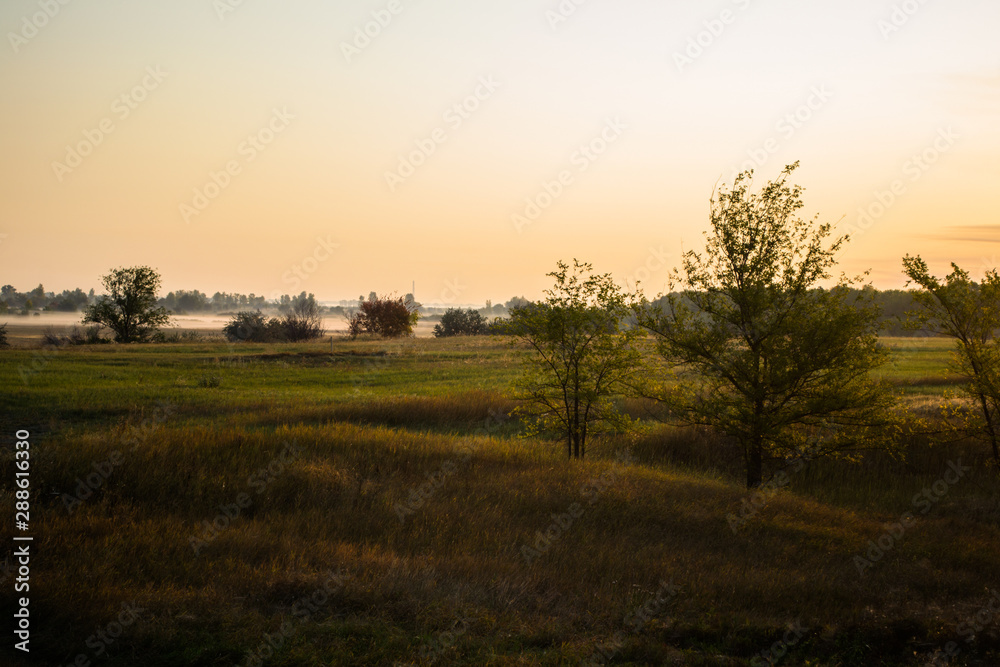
[{"x": 194, "y": 426}]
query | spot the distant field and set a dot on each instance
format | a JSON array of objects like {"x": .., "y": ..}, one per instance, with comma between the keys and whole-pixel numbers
[
  {"x": 26, "y": 330},
  {"x": 406, "y": 480}
]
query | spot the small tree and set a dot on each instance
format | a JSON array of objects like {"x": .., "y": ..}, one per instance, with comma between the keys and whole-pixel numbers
[
  {"x": 458, "y": 322},
  {"x": 3, "y": 336},
  {"x": 251, "y": 326},
  {"x": 758, "y": 350},
  {"x": 969, "y": 312},
  {"x": 303, "y": 321},
  {"x": 385, "y": 316},
  {"x": 129, "y": 308},
  {"x": 580, "y": 354}
]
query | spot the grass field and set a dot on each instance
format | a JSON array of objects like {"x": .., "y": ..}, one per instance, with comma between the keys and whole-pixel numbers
[{"x": 370, "y": 503}]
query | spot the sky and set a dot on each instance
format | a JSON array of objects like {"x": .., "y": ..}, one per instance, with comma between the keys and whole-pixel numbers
[{"x": 466, "y": 147}]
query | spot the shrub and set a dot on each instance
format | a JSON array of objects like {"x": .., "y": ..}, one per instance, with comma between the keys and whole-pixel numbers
[
  {"x": 53, "y": 339},
  {"x": 89, "y": 336},
  {"x": 3, "y": 336},
  {"x": 209, "y": 381},
  {"x": 458, "y": 322},
  {"x": 389, "y": 317},
  {"x": 251, "y": 326},
  {"x": 303, "y": 322}
]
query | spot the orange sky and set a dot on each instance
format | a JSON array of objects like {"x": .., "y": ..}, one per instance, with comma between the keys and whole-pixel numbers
[{"x": 270, "y": 147}]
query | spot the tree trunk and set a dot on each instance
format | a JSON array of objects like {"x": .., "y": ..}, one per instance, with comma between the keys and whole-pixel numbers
[{"x": 755, "y": 463}]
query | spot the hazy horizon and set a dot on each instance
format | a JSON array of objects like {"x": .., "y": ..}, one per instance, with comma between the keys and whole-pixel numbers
[{"x": 250, "y": 146}]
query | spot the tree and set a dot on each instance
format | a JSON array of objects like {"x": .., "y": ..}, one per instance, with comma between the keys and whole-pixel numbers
[
  {"x": 129, "y": 308},
  {"x": 756, "y": 348},
  {"x": 386, "y": 316},
  {"x": 969, "y": 312},
  {"x": 458, "y": 322},
  {"x": 251, "y": 326},
  {"x": 515, "y": 302},
  {"x": 302, "y": 321},
  {"x": 580, "y": 354}
]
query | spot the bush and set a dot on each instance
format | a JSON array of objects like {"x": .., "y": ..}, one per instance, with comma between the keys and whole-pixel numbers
[
  {"x": 3, "y": 336},
  {"x": 303, "y": 322},
  {"x": 458, "y": 322},
  {"x": 178, "y": 337},
  {"x": 389, "y": 317},
  {"x": 251, "y": 326},
  {"x": 89, "y": 336},
  {"x": 209, "y": 381}
]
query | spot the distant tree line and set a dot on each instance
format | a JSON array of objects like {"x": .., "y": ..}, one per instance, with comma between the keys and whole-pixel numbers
[
  {"x": 894, "y": 305},
  {"x": 12, "y": 301}
]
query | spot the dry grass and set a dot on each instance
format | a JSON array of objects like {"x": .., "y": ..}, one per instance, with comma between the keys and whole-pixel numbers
[{"x": 458, "y": 555}]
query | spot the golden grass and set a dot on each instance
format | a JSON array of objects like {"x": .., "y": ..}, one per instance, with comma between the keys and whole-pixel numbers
[
  {"x": 460, "y": 553},
  {"x": 483, "y": 494}
]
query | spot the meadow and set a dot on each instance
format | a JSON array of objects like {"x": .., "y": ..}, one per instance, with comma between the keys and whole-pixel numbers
[{"x": 371, "y": 503}]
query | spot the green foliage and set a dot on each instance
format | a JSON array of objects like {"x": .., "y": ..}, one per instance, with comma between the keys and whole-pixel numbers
[
  {"x": 3, "y": 336},
  {"x": 458, "y": 322},
  {"x": 209, "y": 381},
  {"x": 580, "y": 355},
  {"x": 385, "y": 316},
  {"x": 129, "y": 309},
  {"x": 756, "y": 348},
  {"x": 302, "y": 323},
  {"x": 251, "y": 326},
  {"x": 969, "y": 312}
]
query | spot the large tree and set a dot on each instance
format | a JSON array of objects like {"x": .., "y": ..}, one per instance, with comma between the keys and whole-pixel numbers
[
  {"x": 129, "y": 308},
  {"x": 580, "y": 353},
  {"x": 969, "y": 312},
  {"x": 756, "y": 348}
]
